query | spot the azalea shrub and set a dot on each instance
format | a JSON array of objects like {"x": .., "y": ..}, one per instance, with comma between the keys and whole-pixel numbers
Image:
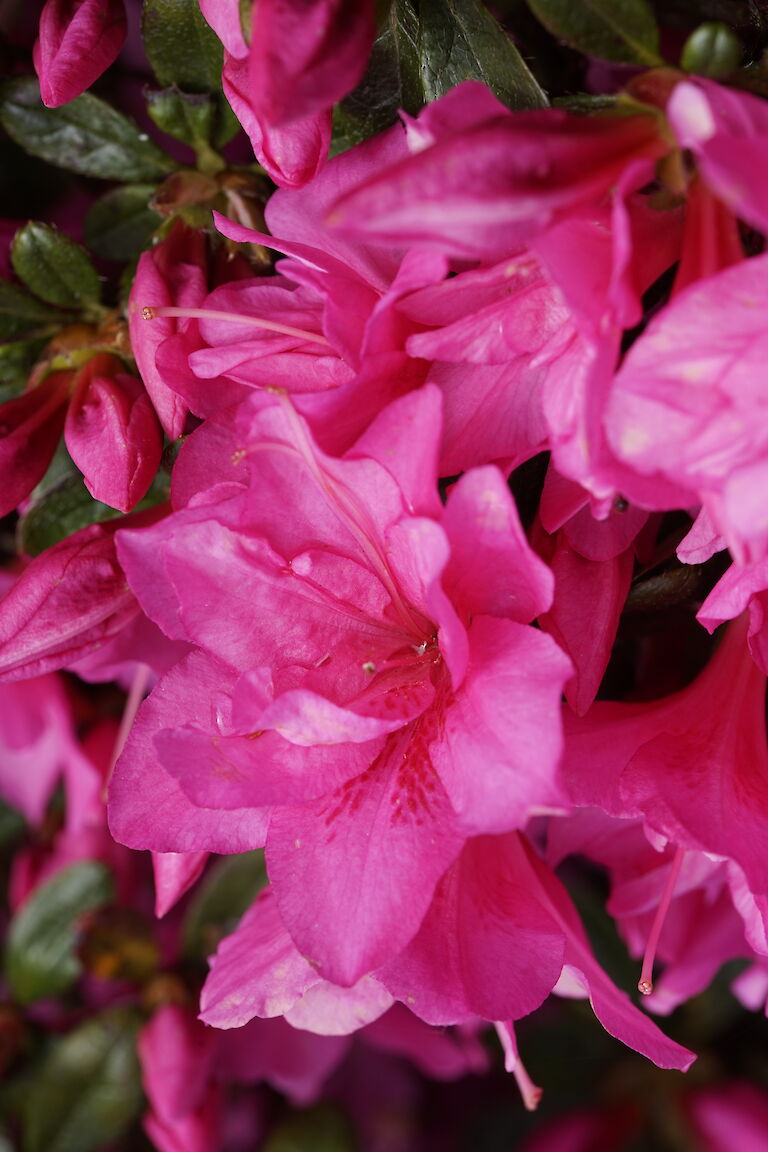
[{"x": 383, "y": 634}]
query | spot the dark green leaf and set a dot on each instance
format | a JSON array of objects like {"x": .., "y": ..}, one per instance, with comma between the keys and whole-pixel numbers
[
  {"x": 12, "y": 824},
  {"x": 21, "y": 313},
  {"x": 53, "y": 266},
  {"x": 120, "y": 224},
  {"x": 198, "y": 119},
  {"x": 620, "y": 30},
  {"x": 63, "y": 510},
  {"x": 40, "y": 955},
  {"x": 712, "y": 50},
  {"x": 88, "y": 1089},
  {"x": 392, "y": 81},
  {"x": 16, "y": 360},
  {"x": 421, "y": 51},
  {"x": 230, "y": 888},
  {"x": 86, "y": 135},
  {"x": 460, "y": 40},
  {"x": 182, "y": 48}
]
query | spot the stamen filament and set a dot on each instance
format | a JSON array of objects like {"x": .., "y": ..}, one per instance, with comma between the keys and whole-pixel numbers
[
  {"x": 151, "y": 313},
  {"x": 135, "y": 697},
  {"x": 530, "y": 1092},
  {"x": 645, "y": 983}
]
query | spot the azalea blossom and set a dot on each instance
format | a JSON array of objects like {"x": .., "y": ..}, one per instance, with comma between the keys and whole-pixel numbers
[{"x": 375, "y": 685}]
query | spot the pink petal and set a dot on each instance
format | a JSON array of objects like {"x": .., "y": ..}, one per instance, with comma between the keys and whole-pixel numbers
[
  {"x": 175, "y": 873},
  {"x": 30, "y": 428},
  {"x": 292, "y": 155},
  {"x": 327, "y": 859},
  {"x": 147, "y": 807},
  {"x": 486, "y": 947},
  {"x": 492, "y": 570},
  {"x": 113, "y": 435},
  {"x": 500, "y": 739},
  {"x": 176, "y": 1054}
]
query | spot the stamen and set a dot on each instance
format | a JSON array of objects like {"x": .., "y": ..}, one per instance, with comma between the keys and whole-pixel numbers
[
  {"x": 151, "y": 313},
  {"x": 135, "y": 697},
  {"x": 530, "y": 1092},
  {"x": 645, "y": 983}
]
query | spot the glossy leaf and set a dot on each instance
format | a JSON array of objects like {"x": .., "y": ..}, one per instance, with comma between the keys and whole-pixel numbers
[
  {"x": 53, "y": 266},
  {"x": 460, "y": 40},
  {"x": 421, "y": 51},
  {"x": 182, "y": 48},
  {"x": 40, "y": 957},
  {"x": 120, "y": 224},
  {"x": 86, "y": 135},
  {"x": 620, "y": 30},
  {"x": 88, "y": 1089},
  {"x": 20, "y": 312},
  {"x": 392, "y": 81}
]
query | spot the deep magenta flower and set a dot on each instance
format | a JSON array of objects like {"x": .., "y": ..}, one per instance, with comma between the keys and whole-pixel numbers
[{"x": 373, "y": 678}]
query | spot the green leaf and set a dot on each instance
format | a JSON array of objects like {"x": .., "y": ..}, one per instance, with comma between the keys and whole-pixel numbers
[
  {"x": 87, "y": 1091},
  {"x": 86, "y": 135},
  {"x": 16, "y": 361},
  {"x": 40, "y": 958},
  {"x": 12, "y": 825},
  {"x": 54, "y": 267},
  {"x": 120, "y": 224},
  {"x": 460, "y": 40},
  {"x": 392, "y": 81},
  {"x": 198, "y": 119},
  {"x": 620, "y": 30},
  {"x": 21, "y": 313},
  {"x": 419, "y": 53},
  {"x": 230, "y": 888},
  {"x": 182, "y": 47}
]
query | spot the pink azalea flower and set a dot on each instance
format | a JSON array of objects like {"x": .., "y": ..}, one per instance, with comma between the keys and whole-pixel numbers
[
  {"x": 78, "y": 41},
  {"x": 375, "y": 678}
]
